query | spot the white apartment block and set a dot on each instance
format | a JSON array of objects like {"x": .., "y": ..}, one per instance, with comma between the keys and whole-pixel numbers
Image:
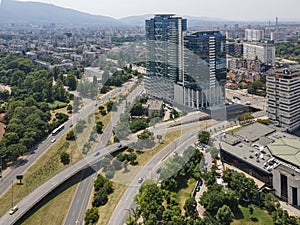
[
  {"x": 254, "y": 35},
  {"x": 261, "y": 51},
  {"x": 283, "y": 98}
]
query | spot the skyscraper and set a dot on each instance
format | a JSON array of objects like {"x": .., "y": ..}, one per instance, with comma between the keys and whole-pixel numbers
[
  {"x": 186, "y": 69},
  {"x": 164, "y": 34},
  {"x": 204, "y": 69}
]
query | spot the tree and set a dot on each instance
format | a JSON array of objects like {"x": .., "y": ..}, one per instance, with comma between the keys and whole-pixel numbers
[
  {"x": 99, "y": 182},
  {"x": 190, "y": 206},
  {"x": 91, "y": 216},
  {"x": 224, "y": 215},
  {"x": 109, "y": 106},
  {"x": 70, "y": 135},
  {"x": 100, "y": 198},
  {"x": 69, "y": 108},
  {"x": 203, "y": 137},
  {"x": 99, "y": 127},
  {"x": 271, "y": 203},
  {"x": 245, "y": 118},
  {"x": 108, "y": 187},
  {"x": 137, "y": 109},
  {"x": 65, "y": 158}
]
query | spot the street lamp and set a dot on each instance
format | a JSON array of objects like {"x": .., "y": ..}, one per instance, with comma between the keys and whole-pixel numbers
[{"x": 12, "y": 193}]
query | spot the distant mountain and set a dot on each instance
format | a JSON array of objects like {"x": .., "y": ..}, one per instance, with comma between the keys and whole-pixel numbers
[
  {"x": 136, "y": 20},
  {"x": 191, "y": 21},
  {"x": 12, "y": 11}
]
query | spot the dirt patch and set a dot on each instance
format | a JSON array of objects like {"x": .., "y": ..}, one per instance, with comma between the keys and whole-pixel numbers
[{"x": 2, "y": 125}]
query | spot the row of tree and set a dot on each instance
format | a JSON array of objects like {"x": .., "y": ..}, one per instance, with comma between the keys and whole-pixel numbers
[{"x": 102, "y": 187}]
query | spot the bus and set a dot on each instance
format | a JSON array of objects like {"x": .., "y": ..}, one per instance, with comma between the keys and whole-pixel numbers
[{"x": 58, "y": 129}]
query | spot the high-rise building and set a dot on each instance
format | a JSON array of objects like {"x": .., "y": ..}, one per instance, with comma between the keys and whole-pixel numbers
[
  {"x": 261, "y": 51},
  {"x": 164, "y": 34},
  {"x": 283, "y": 98},
  {"x": 204, "y": 69},
  {"x": 189, "y": 70}
]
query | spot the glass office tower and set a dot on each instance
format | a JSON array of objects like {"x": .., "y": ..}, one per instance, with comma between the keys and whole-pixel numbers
[
  {"x": 164, "y": 34},
  {"x": 189, "y": 70},
  {"x": 204, "y": 69}
]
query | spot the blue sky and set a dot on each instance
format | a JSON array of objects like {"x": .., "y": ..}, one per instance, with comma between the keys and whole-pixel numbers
[{"x": 237, "y": 10}]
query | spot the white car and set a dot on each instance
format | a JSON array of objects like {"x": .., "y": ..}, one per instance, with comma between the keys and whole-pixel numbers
[
  {"x": 53, "y": 140},
  {"x": 140, "y": 180}
]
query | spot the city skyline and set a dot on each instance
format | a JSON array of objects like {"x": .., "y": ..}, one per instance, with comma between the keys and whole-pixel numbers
[{"x": 228, "y": 10}]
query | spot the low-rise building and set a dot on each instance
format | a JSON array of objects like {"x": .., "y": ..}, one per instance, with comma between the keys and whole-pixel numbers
[{"x": 267, "y": 154}]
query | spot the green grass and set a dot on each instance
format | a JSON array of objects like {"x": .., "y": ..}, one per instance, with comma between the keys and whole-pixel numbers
[
  {"x": 57, "y": 105},
  {"x": 185, "y": 193},
  {"x": 263, "y": 217}
]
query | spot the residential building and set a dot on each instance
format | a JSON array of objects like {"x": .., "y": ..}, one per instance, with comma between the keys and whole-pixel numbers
[
  {"x": 283, "y": 98},
  {"x": 261, "y": 51},
  {"x": 254, "y": 35}
]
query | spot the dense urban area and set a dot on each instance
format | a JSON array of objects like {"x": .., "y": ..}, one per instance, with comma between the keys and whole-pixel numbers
[{"x": 160, "y": 122}]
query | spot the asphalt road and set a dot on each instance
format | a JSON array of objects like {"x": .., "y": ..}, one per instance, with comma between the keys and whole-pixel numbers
[
  {"x": 120, "y": 212},
  {"x": 82, "y": 196},
  {"x": 256, "y": 101},
  {"x": 26, "y": 161},
  {"x": 27, "y": 202}
]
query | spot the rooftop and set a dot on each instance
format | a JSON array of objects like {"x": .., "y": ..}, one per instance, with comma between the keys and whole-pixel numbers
[
  {"x": 287, "y": 149},
  {"x": 254, "y": 131}
]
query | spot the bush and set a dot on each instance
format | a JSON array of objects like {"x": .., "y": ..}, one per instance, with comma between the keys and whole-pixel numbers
[
  {"x": 70, "y": 135},
  {"x": 65, "y": 158}
]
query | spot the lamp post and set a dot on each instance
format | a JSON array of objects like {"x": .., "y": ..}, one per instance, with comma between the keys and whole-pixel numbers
[{"x": 12, "y": 193}]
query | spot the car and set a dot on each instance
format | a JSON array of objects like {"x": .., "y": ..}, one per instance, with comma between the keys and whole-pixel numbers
[
  {"x": 97, "y": 153},
  {"x": 53, "y": 140},
  {"x": 199, "y": 184},
  {"x": 140, "y": 180},
  {"x": 71, "y": 125},
  {"x": 158, "y": 170},
  {"x": 13, "y": 210},
  {"x": 119, "y": 145}
]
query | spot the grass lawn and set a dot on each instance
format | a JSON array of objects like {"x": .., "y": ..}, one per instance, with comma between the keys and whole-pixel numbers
[
  {"x": 143, "y": 157},
  {"x": 185, "y": 193},
  {"x": 57, "y": 105},
  {"x": 263, "y": 217},
  {"x": 106, "y": 210},
  {"x": 54, "y": 211},
  {"x": 45, "y": 167}
]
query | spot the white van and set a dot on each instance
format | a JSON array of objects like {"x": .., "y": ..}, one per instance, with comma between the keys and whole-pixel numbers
[{"x": 13, "y": 210}]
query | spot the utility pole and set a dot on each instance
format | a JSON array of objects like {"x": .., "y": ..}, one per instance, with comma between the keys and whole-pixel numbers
[{"x": 12, "y": 193}]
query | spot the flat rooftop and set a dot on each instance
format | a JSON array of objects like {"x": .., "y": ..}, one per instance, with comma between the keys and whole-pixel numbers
[
  {"x": 254, "y": 131},
  {"x": 249, "y": 154}
]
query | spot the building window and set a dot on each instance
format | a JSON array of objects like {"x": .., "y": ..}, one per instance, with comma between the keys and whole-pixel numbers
[
  {"x": 295, "y": 195},
  {"x": 284, "y": 190}
]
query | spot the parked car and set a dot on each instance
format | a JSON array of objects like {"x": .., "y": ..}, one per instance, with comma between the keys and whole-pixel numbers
[{"x": 140, "y": 180}]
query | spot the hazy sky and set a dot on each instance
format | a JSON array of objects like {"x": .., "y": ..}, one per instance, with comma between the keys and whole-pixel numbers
[{"x": 225, "y": 9}]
